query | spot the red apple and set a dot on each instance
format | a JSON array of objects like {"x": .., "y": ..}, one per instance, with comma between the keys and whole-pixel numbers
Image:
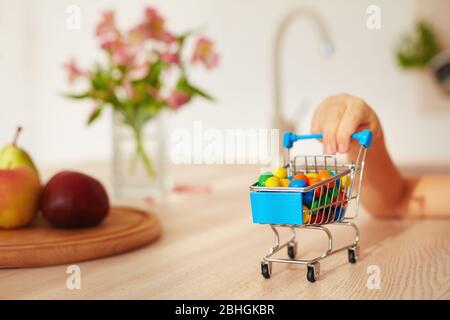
[{"x": 74, "y": 200}]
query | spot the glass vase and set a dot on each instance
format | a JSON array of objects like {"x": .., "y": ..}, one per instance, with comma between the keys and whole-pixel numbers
[{"x": 139, "y": 158}]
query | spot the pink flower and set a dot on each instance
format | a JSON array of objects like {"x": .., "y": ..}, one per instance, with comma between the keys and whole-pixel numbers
[
  {"x": 177, "y": 99},
  {"x": 170, "y": 58},
  {"x": 153, "y": 27},
  {"x": 139, "y": 71},
  {"x": 137, "y": 34},
  {"x": 204, "y": 52},
  {"x": 73, "y": 71},
  {"x": 106, "y": 29},
  {"x": 121, "y": 52}
]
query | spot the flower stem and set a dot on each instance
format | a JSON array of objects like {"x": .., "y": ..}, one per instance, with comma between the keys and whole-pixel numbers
[{"x": 141, "y": 153}]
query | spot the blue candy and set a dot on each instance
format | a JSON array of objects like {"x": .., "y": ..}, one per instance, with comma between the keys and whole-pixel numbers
[
  {"x": 297, "y": 184},
  {"x": 339, "y": 214},
  {"x": 308, "y": 197}
]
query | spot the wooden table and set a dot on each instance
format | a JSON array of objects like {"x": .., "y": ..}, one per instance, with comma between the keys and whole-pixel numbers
[{"x": 211, "y": 250}]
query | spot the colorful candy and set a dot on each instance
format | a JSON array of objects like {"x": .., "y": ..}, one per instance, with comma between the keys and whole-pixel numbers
[
  {"x": 325, "y": 175},
  {"x": 334, "y": 192},
  {"x": 310, "y": 175},
  {"x": 263, "y": 177},
  {"x": 306, "y": 215},
  {"x": 317, "y": 191},
  {"x": 273, "y": 182},
  {"x": 339, "y": 213},
  {"x": 298, "y": 184},
  {"x": 308, "y": 197},
  {"x": 342, "y": 199},
  {"x": 313, "y": 181},
  {"x": 285, "y": 182},
  {"x": 300, "y": 176},
  {"x": 280, "y": 173},
  {"x": 331, "y": 198},
  {"x": 345, "y": 182},
  {"x": 320, "y": 217},
  {"x": 325, "y": 200},
  {"x": 314, "y": 206}
]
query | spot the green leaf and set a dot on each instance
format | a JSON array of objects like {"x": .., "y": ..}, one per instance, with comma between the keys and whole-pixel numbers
[
  {"x": 77, "y": 96},
  {"x": 155, "y": 72},
  {"x": 101, "y": 79},
  {"x": 95, "y": 115},
  {"x": 184, "y": 85},
  {"x": 147, "y": 111},
  {"x": 201, "y": 93}
]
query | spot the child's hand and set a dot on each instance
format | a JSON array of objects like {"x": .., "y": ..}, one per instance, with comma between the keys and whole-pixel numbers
[{"x": 338, "y": 117}]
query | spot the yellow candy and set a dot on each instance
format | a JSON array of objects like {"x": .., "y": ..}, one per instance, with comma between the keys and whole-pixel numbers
[
  {"x": 273, "y": 182},
  {"x": 285, "y": 182},
  {"x": 280, "y": 173},
  {"x": 312, "y": 175},
  {"x": 345, "y": 182},
  {"x": 306, "y": 215}
]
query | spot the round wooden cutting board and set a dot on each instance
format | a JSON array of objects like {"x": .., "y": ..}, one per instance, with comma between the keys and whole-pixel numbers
[{"x": 41, "y": 245}]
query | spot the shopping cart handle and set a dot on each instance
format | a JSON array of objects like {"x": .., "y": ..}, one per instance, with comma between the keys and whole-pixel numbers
[{"x": 364, "y": 138}]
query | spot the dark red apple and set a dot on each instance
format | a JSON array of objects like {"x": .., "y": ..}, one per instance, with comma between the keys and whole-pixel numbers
[{"x": 74, "y": 200}]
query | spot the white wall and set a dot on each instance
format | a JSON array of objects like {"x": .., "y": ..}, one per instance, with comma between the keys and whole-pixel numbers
[{"x": 34, "y": 43}]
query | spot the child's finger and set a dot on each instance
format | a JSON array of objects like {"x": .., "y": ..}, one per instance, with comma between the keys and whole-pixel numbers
[
  {"x": 350, "y": 121},
  {"x": 330, "y": 127}
]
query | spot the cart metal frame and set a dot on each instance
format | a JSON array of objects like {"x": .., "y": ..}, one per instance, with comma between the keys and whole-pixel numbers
[{"x": 331, "y": 212}]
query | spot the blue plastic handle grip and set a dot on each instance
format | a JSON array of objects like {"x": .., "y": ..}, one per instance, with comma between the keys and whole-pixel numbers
[{"x": 364, "y": 138}]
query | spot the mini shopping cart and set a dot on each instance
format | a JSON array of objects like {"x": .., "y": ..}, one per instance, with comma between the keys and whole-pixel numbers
[{"x": 284, "y": 207}]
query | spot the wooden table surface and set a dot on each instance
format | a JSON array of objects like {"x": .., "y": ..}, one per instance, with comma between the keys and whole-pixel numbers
[{"x": 211, "y": 250}]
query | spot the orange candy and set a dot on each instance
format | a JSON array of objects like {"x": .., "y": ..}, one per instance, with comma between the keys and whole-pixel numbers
[
  {"x": 300, "y": 176},
  {"x": 312, "y": 181},
  {"x": 324, "y": 175},
  {"x": 318, "y": 191}
]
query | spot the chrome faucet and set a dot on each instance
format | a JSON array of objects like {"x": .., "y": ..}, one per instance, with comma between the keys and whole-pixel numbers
[{"x": 325, "y": 50}]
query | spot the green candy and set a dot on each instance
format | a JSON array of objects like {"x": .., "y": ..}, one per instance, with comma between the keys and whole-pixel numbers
[
  {"x": 263, "y": 177},
  {"x": 325, "y": 201},
  {"x": 333, "y": 193},
  {"x": 314, "y": 206}
]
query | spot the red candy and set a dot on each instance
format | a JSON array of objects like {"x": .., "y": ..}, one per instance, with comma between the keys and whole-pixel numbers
[
  {"x": 320, "y": 217},
  {"x": 342, "y": 199}
]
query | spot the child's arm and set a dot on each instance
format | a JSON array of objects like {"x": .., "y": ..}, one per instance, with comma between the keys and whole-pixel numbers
[{"x": 385, "y": 193}]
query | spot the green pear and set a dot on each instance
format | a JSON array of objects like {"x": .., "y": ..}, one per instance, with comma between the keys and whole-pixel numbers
[{"x": 12, "y": 157}]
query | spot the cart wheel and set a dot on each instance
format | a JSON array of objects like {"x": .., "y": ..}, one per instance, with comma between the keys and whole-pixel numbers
[
  {"x": 313, "y": 272},
  {"x": 265, "y": 270},
  {"x": 292, "y": 249},
  {"x": 353, "y": 254}
]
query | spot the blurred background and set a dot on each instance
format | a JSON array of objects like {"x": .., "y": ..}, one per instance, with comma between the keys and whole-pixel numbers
[{"x": 35, "y": 42}]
